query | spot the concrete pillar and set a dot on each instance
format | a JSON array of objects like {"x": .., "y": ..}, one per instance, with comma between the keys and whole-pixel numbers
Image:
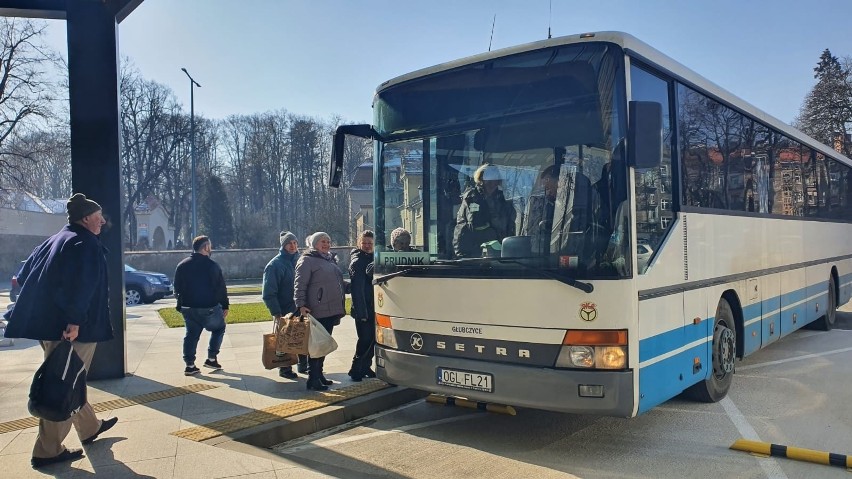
[{"x": 93, "y": 76}]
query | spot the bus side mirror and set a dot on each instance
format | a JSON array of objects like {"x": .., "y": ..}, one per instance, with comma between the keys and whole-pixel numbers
[
  {"x": 338, "y": 142},
  {"x": 645, "y": 134}
]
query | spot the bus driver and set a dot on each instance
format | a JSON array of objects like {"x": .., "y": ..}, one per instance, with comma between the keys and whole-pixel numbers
[{"x": 485, "y": 214}]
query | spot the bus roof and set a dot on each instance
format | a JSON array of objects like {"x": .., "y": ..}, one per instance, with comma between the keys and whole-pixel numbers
[{"x": 642, "y": 51}]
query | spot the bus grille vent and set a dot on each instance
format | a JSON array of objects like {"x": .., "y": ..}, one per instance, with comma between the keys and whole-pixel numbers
[{"x": 685, "y": 252}]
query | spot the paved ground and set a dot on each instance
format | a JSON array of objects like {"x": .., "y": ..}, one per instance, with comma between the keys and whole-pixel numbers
[{"x": 142, "y": 444}]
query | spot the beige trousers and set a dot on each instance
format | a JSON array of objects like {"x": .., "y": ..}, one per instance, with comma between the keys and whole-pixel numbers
[{"x": 51, "y": 434}]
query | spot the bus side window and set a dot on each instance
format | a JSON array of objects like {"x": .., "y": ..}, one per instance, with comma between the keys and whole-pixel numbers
[{"x": 654, "y": 202}]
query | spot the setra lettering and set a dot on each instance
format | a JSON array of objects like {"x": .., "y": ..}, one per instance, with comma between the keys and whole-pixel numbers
[{"x": 481, "y": 349}]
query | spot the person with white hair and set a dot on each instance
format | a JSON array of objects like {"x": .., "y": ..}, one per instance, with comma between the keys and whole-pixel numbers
[
  {"x": 485, "y": 214},
  {"x": 401, "y": 240},
  {"x": 320, "y": 291}
]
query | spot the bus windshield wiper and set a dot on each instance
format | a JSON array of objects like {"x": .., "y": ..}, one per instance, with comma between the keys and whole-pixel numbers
[
  {"x": 582, "y": 286},
  {"x": 384, "y": 279}
]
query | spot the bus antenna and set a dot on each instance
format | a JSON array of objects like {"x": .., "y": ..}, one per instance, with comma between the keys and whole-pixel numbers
[
  {"x": 492, "y": 32},
  {"x": 549, "y": 19}
]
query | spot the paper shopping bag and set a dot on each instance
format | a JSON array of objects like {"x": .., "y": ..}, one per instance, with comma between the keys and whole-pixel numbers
[
  {"x": 270, "y": 357},
  {"x": 293, "y": 336}
]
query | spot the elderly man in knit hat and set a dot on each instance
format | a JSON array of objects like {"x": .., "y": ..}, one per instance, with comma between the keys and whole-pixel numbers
[
  {"x": 65, "y": 296},
  {"x": 279, "y": 276}
]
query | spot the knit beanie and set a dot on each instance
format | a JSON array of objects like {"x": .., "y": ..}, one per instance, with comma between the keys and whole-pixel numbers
[
  {"x": 316, "y": 237},
  {"x": 79, "y": 207},
  {"x": 286, "y": 237}
]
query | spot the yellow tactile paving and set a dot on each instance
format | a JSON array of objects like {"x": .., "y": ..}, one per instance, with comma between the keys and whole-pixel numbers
[
  {"x": 279, "y": 411},
  {"x": 119, "y": 403}
]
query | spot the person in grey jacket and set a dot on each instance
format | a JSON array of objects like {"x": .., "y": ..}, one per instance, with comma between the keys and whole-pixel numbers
[
  {"x": 279, "y": 279},
  {"x": 319, "y": 291}
]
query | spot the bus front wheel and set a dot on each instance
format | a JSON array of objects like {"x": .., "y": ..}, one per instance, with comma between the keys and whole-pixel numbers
[{"x": 716, "y": 386}]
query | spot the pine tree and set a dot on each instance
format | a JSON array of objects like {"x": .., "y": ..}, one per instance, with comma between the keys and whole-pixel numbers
[
  {"x": 827, "y": 110},
  {"x": 214, "y": 215}
]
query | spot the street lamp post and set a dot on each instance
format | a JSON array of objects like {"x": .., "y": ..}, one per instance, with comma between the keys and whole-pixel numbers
[{"x": 192, "y": 85}]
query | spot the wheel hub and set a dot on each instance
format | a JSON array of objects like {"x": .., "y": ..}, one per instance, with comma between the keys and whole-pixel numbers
[{"x": 723, "y": 351}]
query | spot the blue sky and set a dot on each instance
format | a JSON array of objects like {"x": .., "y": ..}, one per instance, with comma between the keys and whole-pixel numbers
[{"x": 326, "y": 57}]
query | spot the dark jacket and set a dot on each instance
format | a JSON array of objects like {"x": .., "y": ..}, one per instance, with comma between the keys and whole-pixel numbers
[
  {"x": 362, "y": 285},
  {"x": 64, "y": 282},
  {"x": 319, "y": 285},
  {"x": 199, "y": 283},
  {"x": 279, "y": 278},
  {"x": 481, "y": 220}
]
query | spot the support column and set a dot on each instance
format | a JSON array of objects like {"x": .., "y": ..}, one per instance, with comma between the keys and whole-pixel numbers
[{"x": 93, "y": 77}]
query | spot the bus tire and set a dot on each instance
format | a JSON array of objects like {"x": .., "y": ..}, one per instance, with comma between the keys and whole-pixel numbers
[
  {"x": 724, "y": 346},
  {"x": 826, "y": 321}
]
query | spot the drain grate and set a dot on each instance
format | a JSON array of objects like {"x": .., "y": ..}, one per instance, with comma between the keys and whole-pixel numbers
[
  {"x": 119, "y": 403},
  {"x": 274, "y": 413}
]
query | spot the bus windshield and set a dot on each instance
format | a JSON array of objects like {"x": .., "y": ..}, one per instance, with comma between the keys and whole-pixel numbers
[{"x": 519, "y": 158}]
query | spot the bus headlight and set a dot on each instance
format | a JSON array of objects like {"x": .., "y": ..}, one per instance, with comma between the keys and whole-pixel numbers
[
  {"x": 582, "y": 356},
  {"x": 599, "y": 349},
  {"x": 611, "y": 357},
  {"x": 384, "y": 331}
]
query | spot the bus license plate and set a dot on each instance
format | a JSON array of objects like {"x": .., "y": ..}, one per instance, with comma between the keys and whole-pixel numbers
[{"x": 465, "y": 379}]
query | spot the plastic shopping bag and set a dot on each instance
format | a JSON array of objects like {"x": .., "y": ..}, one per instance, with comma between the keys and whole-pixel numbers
[{"x": 320, "y": 343}]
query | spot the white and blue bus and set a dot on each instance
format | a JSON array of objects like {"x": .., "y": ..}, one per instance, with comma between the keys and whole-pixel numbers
[{"x": 659, "y": 228}]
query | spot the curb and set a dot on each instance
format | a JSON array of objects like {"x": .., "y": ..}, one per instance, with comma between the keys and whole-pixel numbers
[
  {"x": 795, "y": 453},
  {"x": 267, "y": 435}
]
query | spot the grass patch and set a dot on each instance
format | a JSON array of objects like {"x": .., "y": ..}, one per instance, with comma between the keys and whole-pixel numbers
[
  {"x": 239, "y": 313},
  {"x": 244, "y": 289}
]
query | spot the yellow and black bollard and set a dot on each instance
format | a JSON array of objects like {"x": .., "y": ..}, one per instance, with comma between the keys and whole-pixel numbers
[
  {"x": 790, "y": 452},
  {"x": 482, "y": 406}
]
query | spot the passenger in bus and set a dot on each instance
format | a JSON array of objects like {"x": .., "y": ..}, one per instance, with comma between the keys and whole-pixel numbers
[
  {"x": 401, "y": 240},
  {"x": 485, "y": 214},
  {"x": 538, "y": 221}
]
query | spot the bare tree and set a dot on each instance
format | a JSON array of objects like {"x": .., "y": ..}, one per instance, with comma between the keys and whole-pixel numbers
[
  {"x": 26, "y": 92},
  {"x": 153, "y": 139}
]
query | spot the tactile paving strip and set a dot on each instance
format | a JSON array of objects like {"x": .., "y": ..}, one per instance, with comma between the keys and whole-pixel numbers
[
  {"x": 119, "y": 403},
  {"x": 280, "y": 411}
]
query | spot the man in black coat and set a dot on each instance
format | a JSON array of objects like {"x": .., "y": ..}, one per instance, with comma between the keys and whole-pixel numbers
[
  {"x": 202, "y": 299},
  {"x": 363, "y": 311},
  {"x": 65, "y": 296}
]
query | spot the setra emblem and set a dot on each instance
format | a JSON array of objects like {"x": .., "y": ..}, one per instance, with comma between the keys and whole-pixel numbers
[
  {"x": 381, "y": 299},
  {"x": 588, "y": 311}
]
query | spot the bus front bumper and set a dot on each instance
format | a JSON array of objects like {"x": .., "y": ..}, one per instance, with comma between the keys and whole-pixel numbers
[{"x": 513, "y": 385}]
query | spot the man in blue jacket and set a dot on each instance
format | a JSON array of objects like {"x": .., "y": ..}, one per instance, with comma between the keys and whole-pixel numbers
[
  {"x": 279, "y": 278},
  {"x": 65, "y": 296}
]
